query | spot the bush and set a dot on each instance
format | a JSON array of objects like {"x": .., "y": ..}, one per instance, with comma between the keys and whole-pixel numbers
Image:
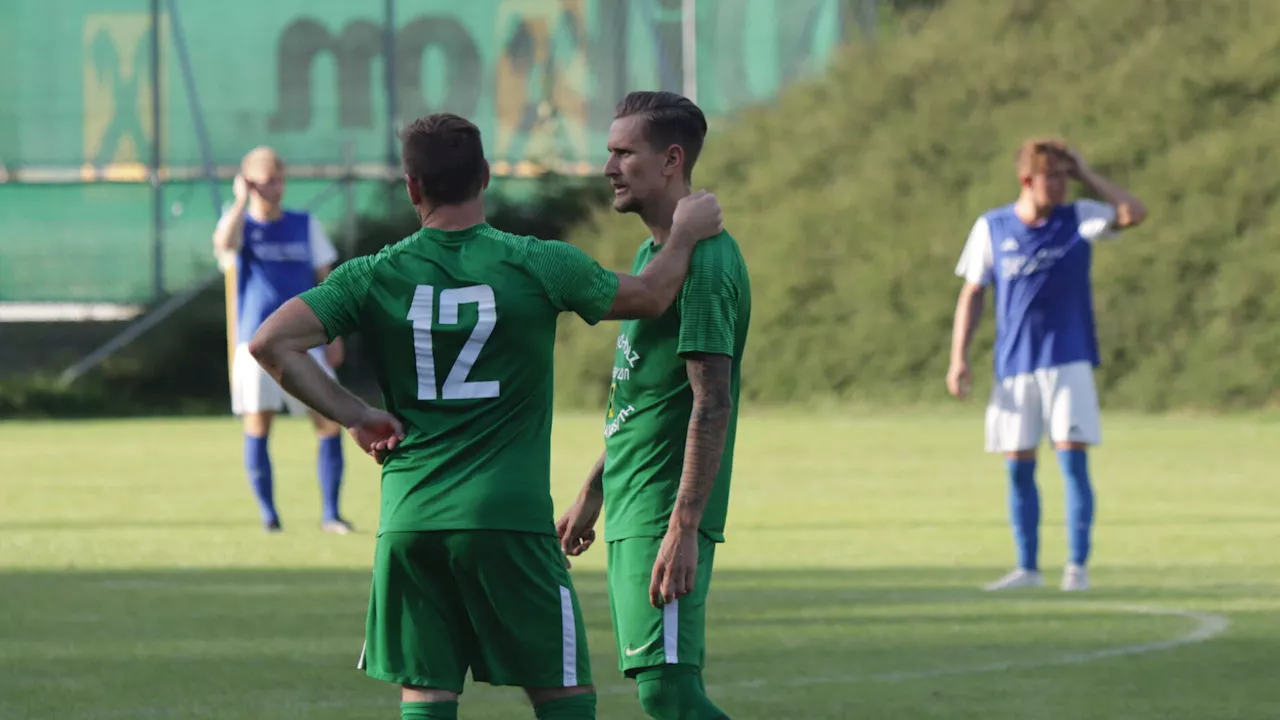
[{"x": 853, "y": 194}]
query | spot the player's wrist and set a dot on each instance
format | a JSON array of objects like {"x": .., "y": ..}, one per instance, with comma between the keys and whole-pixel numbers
[
  {"x": 681, "y": 237},
  {"x": 353, "y": 415},
  {"x": 683, "y": 523}
]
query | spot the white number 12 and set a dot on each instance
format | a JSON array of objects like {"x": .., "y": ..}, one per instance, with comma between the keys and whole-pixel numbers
[{"x": 421, "y": 312}]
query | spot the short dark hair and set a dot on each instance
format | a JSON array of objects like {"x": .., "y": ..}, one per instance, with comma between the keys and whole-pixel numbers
[
  {"x": 443, "y": 153},
  {"x": 669, "y": 119}
]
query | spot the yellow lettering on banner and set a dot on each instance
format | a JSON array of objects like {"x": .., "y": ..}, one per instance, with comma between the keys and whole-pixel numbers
[
  {"x": 541, "y": 86},
  {"x": 117, "y": 92}
]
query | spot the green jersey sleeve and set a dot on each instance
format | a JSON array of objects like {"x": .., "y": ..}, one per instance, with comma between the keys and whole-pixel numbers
[
  {"x": 573, "y": 280},
  {"x": 708, "y": 304},
  {"x": 338, "y": 300}
]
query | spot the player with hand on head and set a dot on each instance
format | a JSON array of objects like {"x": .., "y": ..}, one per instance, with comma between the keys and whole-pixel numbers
[
  {"x": 1037, "y": 252},
  {"x": 275, "y": 254},
  {"x": 663, "y": 481},
  {"x": 461, "y": 321}
]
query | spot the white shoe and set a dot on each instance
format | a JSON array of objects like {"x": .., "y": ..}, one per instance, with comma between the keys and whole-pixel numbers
[
  {"x": 1018, "y": 579},
  {"x": 1075, "y": 578}
]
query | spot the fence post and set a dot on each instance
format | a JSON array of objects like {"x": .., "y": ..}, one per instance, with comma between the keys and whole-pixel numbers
[
  {"x": 689, "y": 48},
  {"x": 389, "y": 77},
  {"x": 157, "y": 189},
  {"x": 349, "y": 194}
]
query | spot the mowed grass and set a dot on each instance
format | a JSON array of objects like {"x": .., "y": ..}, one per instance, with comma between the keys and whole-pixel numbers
[{"x": 136, "y": 583}]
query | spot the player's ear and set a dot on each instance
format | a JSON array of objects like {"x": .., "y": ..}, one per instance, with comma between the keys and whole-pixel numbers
[
  {"x": 673, "y": 160},
  {"x": 415, "y": 192},
  {"x": 484, "y": 185}
]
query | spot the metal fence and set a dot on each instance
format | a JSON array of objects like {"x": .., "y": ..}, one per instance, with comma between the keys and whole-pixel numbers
[{"x": 122, "y": 121}]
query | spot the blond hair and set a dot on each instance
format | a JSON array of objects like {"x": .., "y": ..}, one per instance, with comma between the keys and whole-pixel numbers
[
  {"x": 1038, "y": 155},
  {"x": 259, "y": 156}
]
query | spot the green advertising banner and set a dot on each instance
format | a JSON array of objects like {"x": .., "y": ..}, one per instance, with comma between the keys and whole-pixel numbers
[
  {"x": 540, "y": 77},
  {"x": 87, "y": 98}
]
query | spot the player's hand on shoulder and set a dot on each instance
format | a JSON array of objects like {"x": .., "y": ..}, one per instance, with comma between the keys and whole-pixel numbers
[{"x": 699, "y": 215}]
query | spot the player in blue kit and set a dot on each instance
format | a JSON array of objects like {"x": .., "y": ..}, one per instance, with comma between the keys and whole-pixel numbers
[
  {"x": 1037, "y": 253},
  {"x": 276, "y": 254}
]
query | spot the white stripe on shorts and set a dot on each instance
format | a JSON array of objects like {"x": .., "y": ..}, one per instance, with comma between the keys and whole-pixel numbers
[
  {"x": 569, "y": 638},
  {"x": 671, "y": 632}
]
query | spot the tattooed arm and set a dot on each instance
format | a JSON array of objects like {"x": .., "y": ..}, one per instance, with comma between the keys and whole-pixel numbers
[
  {"x": 709, "y": 377},
  {"x": 675, "y": 569}
]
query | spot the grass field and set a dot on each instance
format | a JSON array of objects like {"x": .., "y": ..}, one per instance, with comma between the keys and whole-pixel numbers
[{"x": 135, "y": 581}]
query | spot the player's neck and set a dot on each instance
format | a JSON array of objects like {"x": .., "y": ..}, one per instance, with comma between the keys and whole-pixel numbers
[
  {"x": 452, "y": 217},
  {"x": 661, "y": 216},
  {"x": 264, "y": 213},
  {"x": 1030, "y": 213}
]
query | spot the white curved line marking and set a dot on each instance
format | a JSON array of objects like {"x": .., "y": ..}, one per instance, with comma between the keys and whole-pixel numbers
[{"x": 1208, "y": 626}]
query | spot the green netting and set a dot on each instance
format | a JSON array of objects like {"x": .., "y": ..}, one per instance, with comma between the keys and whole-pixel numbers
[{"x": 540, "y": 77}]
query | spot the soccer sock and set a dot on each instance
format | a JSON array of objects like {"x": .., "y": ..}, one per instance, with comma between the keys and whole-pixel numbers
[
  {"x": 1024, "y": 511},
  {"x": 1075, "y": 471},
  {"x": 329, "y": 469},
  {"x": 258, "y": 465},
  {"x": 576, "y": 707},
  {"x": 429, "y": 710},
  {"x": 673, "y": 692}
]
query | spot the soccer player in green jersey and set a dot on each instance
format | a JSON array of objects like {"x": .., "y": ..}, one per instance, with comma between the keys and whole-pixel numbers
[
  {"x": 461, "y": 319},
  {"x": 663, "y": 481}
]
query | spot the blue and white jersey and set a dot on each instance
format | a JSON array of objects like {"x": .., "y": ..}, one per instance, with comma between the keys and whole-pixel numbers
[
  {"x": 277, "y": 260},
  {"x": 1041, "y": 274}
]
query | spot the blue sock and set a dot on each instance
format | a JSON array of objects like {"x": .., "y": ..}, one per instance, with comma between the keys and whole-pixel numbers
[
  {"x": 329, "y": 469},
  {"x": 257, "y": 462},
  {"x": 1024, "y": 511},
  {"x": 1075, "y": 472}
]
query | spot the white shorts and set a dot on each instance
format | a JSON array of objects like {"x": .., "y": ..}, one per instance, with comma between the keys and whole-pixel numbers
[
  {"x": 253, "y": 390},
  {"x": 1062, "y": 399}
]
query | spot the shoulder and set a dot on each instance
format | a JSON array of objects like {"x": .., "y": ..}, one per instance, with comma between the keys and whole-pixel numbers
[
  {"x": 717, "y": 261},
  {"x": 997, "y": 214},
  {"x": 393, "y": 251},
  {"x": 518, "y": 246},
  {"x": 382, "y": 259},
  {"x": 1087, "y": 209},
  {"x": 980, "y": 231},
  {"x": 722, "y": 251},
  {"x": 540, "y": 259},
  {"x": 1094, "y": 220}
]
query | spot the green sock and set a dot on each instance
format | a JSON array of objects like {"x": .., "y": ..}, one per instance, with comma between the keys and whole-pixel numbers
[
  {"x": 577, "y": 707},
  {"x": 429, "y": 710},
  {"x": 675, "y": 692}
]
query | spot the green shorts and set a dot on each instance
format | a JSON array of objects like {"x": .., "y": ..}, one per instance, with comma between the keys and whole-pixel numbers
[
  {"x": 674, "y": 634},
  {"x": 498, "y": 603}
]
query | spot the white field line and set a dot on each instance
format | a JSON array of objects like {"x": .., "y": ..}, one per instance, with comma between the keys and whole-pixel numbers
[{"x": 1207, "y": 627}]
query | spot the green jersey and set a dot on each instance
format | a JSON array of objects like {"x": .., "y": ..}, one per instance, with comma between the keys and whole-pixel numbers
[
  {"x": 462, "y": 327},
  {"x": 650, "y": 399}
]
